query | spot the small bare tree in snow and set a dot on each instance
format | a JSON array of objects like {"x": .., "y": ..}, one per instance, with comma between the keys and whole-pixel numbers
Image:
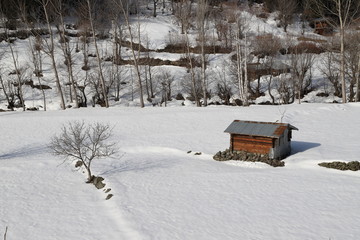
[{"x": 84, "y": 143}]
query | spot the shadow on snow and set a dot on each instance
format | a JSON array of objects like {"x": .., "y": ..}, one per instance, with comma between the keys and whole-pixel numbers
[
  {"x": 297, "y": 146},
  {"x": 24, "y": 152}
]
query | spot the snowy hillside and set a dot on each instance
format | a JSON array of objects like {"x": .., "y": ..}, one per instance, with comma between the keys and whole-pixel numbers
[
  {"x": 162, "y": 192},
  {"x": 161, "y": 64}
]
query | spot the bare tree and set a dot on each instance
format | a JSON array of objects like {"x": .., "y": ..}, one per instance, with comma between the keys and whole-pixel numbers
[
  {"x": 352, "y": 64},
  {"x": 242, "y": 53},
  {"x": 9, "y": 100},
  {"x": 35, "y": 48},
  {"x": 301, "y": 71},
  {"x": 50, "y": 49},
  {"x": 148, "y": 72},
  {"x": 99, "y": 61},
  {"x": 266, "y": 48},
  {"x": 329, "y": 68},
  {"x": 285, "y": 86},
  {"x": 117, "y": 79},
  {"x": 166, "y": 80},
  {"x": 84, "y": 33},
  {"x": 135, "y": 53},
  {"x": 191, "y": 84},
  {"x": 202, "y": 12},
  {"x": 19, "y": 77},
  {"x": 81, "y": 142},
  {"x": 223, "y": 82},
  {"x": 286, "y": 10},
  {"x": 194, "y": 83},
  {"x": 183, "y": 13},
  {"x": 66, "y": 49},
  {"x": 342, "y": 13}
]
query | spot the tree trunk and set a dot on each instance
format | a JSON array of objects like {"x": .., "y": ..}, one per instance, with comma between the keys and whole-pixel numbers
[
  {"x": 342, "y": 62},
  {"x": 6, "y": 94},
  {"x": 52, "y": 54},
  {"x": 67, "y": 54},
  {"x": 102, "y": 79},
  {"x": 124, "y": 10},
  {"x": 192, "y": 72},
  {"x": 246, "y": 83},
  {"x": 155, "y": 3},
  {"x": 357, "y": 97},
  {"x": 203, "y": 74},
  {"x": 19, "y": 83}
]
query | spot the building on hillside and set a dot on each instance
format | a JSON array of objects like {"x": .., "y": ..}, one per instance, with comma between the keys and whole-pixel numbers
[
  {"x": 322, "y": 26},
  {"x": 269, "y": 138}
]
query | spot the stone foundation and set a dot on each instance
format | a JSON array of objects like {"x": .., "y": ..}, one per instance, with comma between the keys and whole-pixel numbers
[{"x": 247, "y": 156}]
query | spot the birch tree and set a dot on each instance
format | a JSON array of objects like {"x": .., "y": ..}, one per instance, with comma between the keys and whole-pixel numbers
[
  {"x": 50, "y": 49},
  {"x": 182, "y": 10},
  {"x": 66, "y": 49},
  {"x": 241, "y": 59},
  {"x": 36, "y": 60},
  {"x": 201, "y": 20},
  {"x": 99, "y": 61},
  {"x": 329, "y": 68},
  {"x": 352, "y": 63},
  {"x": 301, "y": 67},
  {"x": 189, "y": 56},
  {"x": 35, "y": 48},
  {"x": 19, "y": 76},
  {"x": 135, "y": 53}
]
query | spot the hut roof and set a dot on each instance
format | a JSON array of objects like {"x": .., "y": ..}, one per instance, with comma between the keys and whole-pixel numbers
[{"x": 264, "y": 129}]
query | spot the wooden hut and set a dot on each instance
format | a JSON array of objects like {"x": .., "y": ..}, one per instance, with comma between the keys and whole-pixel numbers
[
  {"x": 261, "y": 137},
  {"x": 322, "y": 26}
]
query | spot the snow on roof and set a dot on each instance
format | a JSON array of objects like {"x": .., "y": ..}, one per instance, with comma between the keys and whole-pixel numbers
[{"x": 265, "y": 129}]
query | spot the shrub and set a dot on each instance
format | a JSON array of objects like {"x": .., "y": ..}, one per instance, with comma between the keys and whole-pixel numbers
[{"x": 306, "y": 47}]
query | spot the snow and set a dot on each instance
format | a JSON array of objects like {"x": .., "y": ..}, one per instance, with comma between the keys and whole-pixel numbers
[
  {"x": 163, "y": 192},
  {"x": 157, "y": 31}
]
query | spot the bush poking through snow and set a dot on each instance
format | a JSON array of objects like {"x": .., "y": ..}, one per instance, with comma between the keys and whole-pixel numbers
[
  {"x": 83, "y": 142},
  {"x": 246, "y": 156},
  {"x": 353, "y": 166}
]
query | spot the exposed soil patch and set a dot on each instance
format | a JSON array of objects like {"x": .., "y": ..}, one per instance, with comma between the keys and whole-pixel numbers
[
  {"x": 181, "y": 48},
  {"x": 182, "y": 62}
]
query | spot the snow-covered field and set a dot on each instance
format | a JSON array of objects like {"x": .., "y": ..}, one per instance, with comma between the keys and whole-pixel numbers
[{"x": 162, "y": 192}]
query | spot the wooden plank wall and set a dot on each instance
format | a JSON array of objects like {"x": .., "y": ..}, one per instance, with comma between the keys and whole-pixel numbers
[{"x": 253, "y": 144}]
